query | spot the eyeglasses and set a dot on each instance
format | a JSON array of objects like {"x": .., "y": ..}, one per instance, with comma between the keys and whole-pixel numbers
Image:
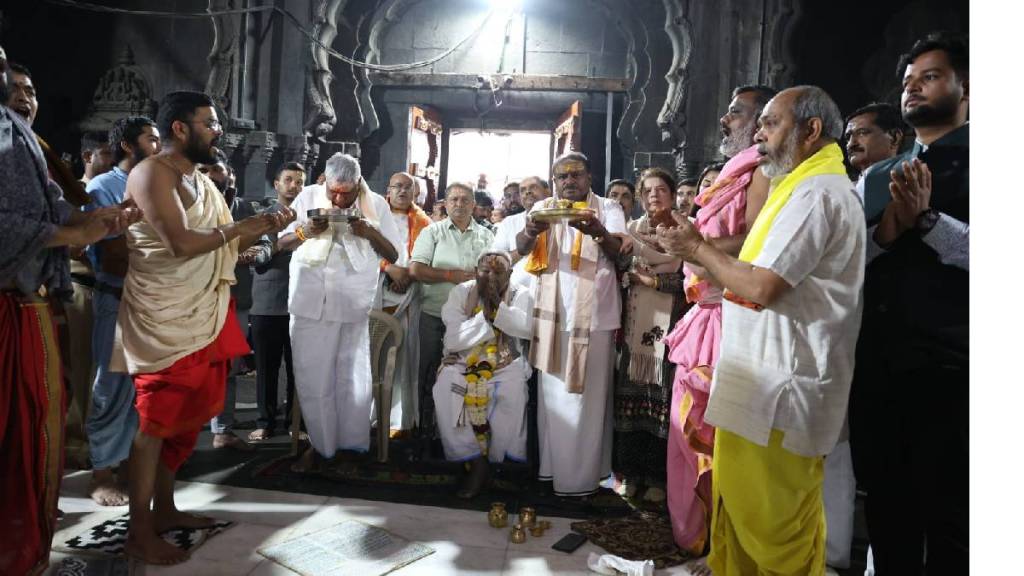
[
  {"x": 399, "y": 187},
  {"x": 214, "y": 125},
  {"x": 575, "y": 175}
]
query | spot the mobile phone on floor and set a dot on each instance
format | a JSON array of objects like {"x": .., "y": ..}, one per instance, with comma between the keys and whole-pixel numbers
[{"x": 570, "y": 542}]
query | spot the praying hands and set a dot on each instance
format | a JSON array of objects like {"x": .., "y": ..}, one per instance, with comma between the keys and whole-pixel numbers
[{"x": 681, "y": 241}]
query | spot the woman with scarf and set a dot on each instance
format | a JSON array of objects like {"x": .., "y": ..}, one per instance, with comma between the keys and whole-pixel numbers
[{"x": 654, "y": 302}]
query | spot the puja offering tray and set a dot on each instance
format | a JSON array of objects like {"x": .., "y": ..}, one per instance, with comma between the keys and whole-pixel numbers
[
  {"x": 334, "y": 214},
  {"x": 556, "y": 209}
]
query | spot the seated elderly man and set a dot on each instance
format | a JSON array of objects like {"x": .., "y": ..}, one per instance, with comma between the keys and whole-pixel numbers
[
  {"x": 332, "y": 281},
  {"x": 480, "y": 393}
]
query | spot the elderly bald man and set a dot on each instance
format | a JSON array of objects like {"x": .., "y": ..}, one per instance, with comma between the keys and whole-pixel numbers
[{"x": 789, "y": 328}]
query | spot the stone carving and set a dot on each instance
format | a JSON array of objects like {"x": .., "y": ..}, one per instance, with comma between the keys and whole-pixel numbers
[
  {"x": 226, "y": 30},
  {"x": 124, "y": 90},
  {"x": 672, "y": 118},
  {"x": 260, "y": 146},
  {"x": 320, "y": 115},
  {"x": 296, "y": 148},
  {"x": 778, "y": 69}
]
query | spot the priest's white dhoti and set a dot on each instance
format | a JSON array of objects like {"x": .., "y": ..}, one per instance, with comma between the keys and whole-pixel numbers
[
  {"x": 839, "y": 493},
  {"x": 333, "y": 382},
  {"x": 576, "y": 429},
  {"x": 506, "y": 413}
]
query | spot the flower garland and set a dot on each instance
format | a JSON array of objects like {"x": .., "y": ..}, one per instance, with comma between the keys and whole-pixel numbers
[{"x": 479, "y": 369}]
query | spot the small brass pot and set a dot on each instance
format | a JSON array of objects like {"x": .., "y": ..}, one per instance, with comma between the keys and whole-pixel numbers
[
  {"x": 518, "y": 534},
  {"x": 498, "y": 516}
]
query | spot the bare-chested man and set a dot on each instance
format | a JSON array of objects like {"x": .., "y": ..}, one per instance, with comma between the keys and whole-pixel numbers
[{"x": 177, "y": 321}]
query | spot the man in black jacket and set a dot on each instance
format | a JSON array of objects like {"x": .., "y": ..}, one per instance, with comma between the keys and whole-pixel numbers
[
  {"x": 269, "y": 316},
  {"x": 909, "y": 410}
]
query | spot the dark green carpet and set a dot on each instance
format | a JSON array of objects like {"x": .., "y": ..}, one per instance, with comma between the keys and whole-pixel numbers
[{"x": 404, "y": 478}]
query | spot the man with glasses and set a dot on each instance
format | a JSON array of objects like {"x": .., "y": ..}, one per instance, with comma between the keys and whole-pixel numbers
[
  {"x": 532, "y": 190},
  {"x": 576, "y": 311},
  {"x": 444, "y": 255},
  {"x": 332, "y": 283},
  {"x": 400, "y": 296},
  {"x": 177, "y": 326}
]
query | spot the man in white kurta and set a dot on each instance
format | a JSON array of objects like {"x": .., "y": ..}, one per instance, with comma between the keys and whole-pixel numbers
[
  {"x": 468, "y": 333},
  {"x": 577, "y": 290},
  {"x": 400, "y": 296},
  {"x": 532, "y": 189},
  {"x": 333, "y": 279}
]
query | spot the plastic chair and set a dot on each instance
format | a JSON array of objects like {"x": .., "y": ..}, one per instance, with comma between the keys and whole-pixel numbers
[{"x": 385, "y": 339}]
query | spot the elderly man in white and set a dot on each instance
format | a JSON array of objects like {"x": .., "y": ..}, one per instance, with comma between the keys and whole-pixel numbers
[
  {"x": 480, "y": 393},
  {"x": 333, "y": 279}
]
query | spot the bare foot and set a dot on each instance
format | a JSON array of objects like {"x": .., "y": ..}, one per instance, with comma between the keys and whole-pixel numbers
[
  {"x": 699, "y": 567},
  {"x": 168, "y": 520},
  {"x": 259, "y": 435},
  {"x": 308, "y": 462},
  {"x": 105, "y": 491},
  {"x": 151, "y": 549},
  {"x": 229, "y": 440}
]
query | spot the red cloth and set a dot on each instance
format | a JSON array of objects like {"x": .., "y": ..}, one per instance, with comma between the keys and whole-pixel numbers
[
  {"x": 31, "y": 434},
  {"x": 175, "y": 402}
]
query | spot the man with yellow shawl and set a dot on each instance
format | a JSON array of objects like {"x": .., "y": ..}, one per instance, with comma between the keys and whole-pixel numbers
[
  {"x": 176, "y": 329},
  {"x": 789, "y": 328}
]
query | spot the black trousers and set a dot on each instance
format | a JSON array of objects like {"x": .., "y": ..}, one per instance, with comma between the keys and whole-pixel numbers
[
  {"x": 271, "y": 342},
  {"x": 431, "y": 350},
  {"x": 909, "y": 437}
]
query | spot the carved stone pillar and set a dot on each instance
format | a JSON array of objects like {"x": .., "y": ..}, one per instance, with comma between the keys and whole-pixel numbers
[
  {"x": 296, "y": 149},
  {"x": 259, "y": 149}
]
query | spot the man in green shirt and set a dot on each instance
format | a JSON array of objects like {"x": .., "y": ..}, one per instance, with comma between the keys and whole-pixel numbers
[{"x": 445, "y": 254}]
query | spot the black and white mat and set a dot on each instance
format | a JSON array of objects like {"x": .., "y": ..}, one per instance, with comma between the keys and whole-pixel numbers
[{"x": 109, "y": 537}]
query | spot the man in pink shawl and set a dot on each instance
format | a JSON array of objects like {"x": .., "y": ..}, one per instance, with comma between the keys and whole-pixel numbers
[{"x": 726, "y": 207}]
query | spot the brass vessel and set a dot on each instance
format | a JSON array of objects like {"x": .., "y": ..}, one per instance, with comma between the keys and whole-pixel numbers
[
  {"x": 527, "y": 517},
  {"x": 518, "y": 534},
  {"x": 498, "y": 516}
]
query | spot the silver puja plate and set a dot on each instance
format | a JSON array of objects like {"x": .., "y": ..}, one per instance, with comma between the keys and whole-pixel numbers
[{"x": 334, "y": 214}]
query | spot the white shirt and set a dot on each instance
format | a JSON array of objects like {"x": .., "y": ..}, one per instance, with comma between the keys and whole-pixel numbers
[
  {"x": 402, "y": 225},
  {"x": 790, "y": 365},
  {"x": 463, "y": 332},
  {"x": 607, "y": 303},
  {"x": 343, "y": 289},
  {"x": 505, "y": 240}
]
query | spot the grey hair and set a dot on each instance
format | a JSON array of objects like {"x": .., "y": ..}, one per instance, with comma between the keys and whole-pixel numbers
[
  {"x": 813, "y": 102},
  {"x": 343, "y": 168}
]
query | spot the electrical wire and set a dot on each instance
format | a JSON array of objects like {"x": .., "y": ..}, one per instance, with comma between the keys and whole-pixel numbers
[{"x": 288, "y": 16}]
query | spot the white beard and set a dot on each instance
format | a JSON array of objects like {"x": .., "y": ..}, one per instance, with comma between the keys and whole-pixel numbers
[{"x": 787, "y": 161}]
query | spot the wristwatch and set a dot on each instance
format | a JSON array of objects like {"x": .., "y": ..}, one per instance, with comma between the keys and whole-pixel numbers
[{"x": 926, "y": 221}]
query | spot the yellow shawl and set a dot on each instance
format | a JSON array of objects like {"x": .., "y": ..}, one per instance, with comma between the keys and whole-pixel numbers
[{"x": 828, "y": 160}]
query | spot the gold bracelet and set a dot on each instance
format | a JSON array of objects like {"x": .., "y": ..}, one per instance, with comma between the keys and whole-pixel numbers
[
  {"x": 223, "y": 236},
  {"x": 300, "y": 234}
]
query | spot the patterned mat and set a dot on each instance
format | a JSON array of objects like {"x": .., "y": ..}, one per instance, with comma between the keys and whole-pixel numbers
[
  {"x": 108, "y": 537},
  {"x": 642, "y": 536}
]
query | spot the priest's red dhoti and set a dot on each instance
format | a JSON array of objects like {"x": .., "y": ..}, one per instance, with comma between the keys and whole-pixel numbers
[{"x": 174, "y": 403}]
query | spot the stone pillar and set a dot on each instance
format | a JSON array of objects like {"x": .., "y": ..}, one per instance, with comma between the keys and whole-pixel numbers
[{"x": 259, "y": 149}]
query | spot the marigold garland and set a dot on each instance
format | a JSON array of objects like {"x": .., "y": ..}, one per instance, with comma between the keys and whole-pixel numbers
[{"x": 479, "y": 369}]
